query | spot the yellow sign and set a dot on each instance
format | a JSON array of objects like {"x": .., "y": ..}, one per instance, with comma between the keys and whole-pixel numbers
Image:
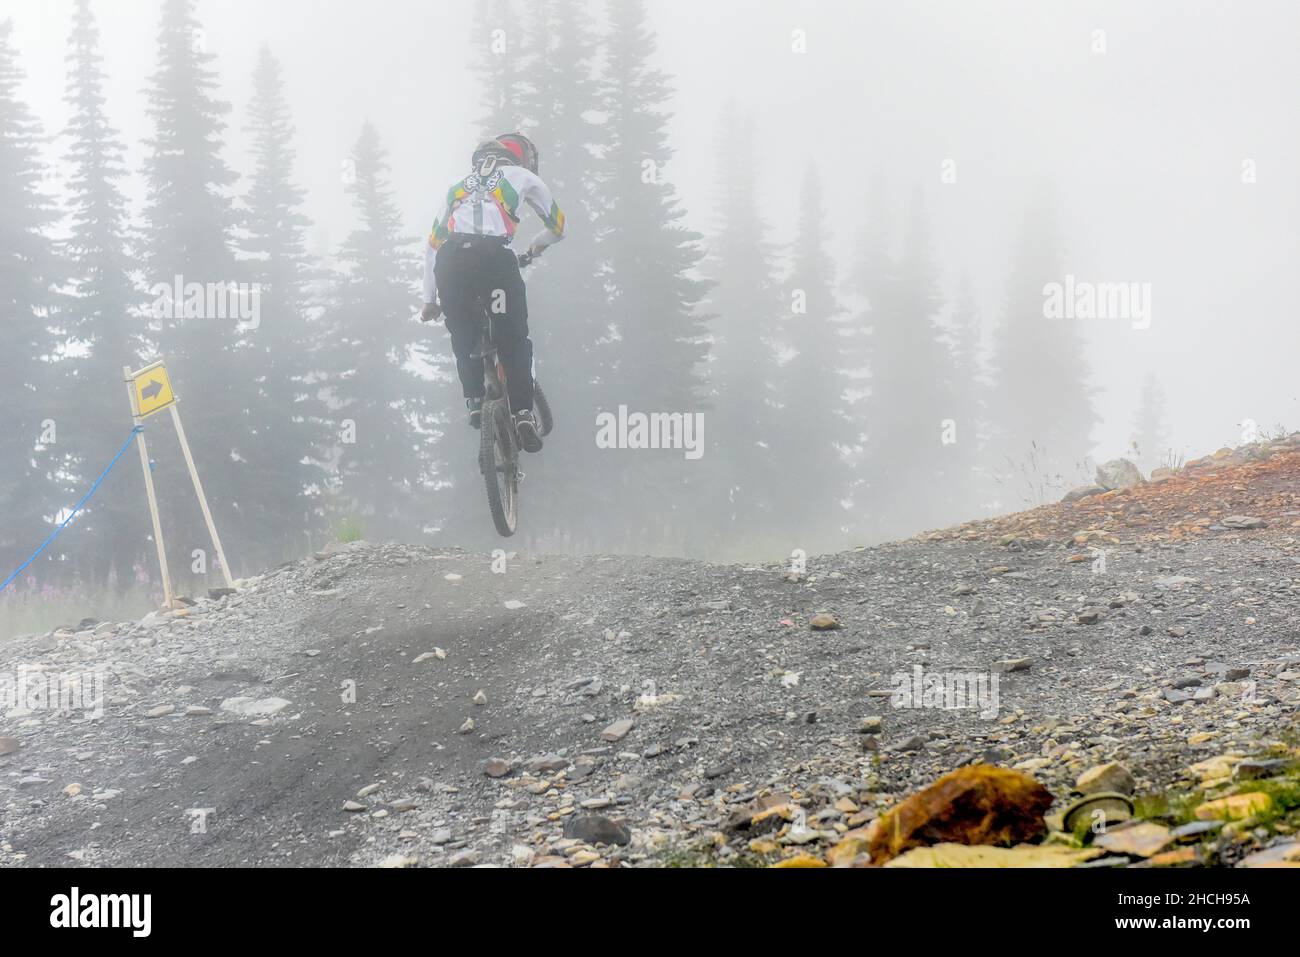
[{"x": 152, "y": 389}]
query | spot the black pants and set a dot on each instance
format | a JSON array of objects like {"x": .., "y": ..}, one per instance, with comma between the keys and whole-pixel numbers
[{"x": 475, "y": 276}]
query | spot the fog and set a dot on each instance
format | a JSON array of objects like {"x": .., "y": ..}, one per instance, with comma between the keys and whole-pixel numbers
[{"x": 1159, "y": 140}]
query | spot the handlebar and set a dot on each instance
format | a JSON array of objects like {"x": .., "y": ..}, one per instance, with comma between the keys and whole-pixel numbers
[{"x": 526, "y": 258}]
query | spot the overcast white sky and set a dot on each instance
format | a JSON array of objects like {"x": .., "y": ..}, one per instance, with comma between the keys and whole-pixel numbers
[{"x": 1143, "y": 144}]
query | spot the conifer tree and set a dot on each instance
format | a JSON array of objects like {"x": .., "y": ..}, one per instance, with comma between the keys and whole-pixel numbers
[
  {"x": 104, "y": 319},
  {"x": 869, "y": 284},
  {"x": 659, "y": 333},
  {"x": 497, "y": 40},
  {"x": 379, "y": 415},
  {"x": 1150, "y": 429},
  {"x": 285, "y": 437},
  {"x": 746, "y": 304},
  {"x": 1040, "y": 405},
  {"x": 911, "y": 397},
  {"x": 971, "y": 490},
  {"x": 30, "y": 490},
  {"x": 189, "y": 222},
  {"x": 815, "y": 426}
]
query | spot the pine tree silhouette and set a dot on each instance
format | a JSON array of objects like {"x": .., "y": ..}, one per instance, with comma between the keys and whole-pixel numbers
[
  {"x": 105, "y": 319},
  {"x": 382, "y": 469},
  {"x": 188, "y": 232},
  {"x": 814, "y": 424},
  {"x": 745, "y": 303},
  {"x": 659, "y": 334},
  {"x": 30, "y": 490},
  {"x": 286, "y": 432}
]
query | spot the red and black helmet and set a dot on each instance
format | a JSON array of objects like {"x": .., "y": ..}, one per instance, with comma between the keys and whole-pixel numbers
[{"x": 522, "y": 148}]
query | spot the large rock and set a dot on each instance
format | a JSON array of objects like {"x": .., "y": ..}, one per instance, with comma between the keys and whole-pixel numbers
[
  {"x": 1083, "y": 491},
  {"x": 1025, "y": 855},
  {"x": 496, "y": 767},
  {"x": 1286, "y": 854},
  {"x": 596, "y": 829},
  {"x": 1111, "y": 776},
  {"x": 617, "y": 731},
  {"x": 1243, "y": 521},
  {"x": 1118, "y": 473},
  {"x": 254, "y": 708},
  {"x": 547, "y": 764},
  {"x": 979, "y": 804},
  {"x": 1235, "y": 807},
  {"x": 1144, "y": 839}
]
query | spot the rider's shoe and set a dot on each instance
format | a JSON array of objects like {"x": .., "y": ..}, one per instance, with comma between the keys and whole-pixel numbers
[
  {"x": 475, "y": 407},
  {"x": 526, "y": 428}
]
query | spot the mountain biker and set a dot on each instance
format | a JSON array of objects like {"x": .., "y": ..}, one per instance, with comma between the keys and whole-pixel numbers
[{"x": 469, "y": 260}]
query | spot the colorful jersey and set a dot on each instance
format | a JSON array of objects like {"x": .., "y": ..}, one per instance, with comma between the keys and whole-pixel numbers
[{"x": 489, "y": 206}]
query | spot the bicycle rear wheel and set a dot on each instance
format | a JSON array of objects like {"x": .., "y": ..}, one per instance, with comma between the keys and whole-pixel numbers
[{"x": 498, "y": 460}]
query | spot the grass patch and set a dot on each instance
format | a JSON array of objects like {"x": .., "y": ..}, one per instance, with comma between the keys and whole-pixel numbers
[
  {"x": 348, "y": 530},
  {"x": 1285, "y": 793},
  {"x": 686, "y": 856},
  {"x": 703, "y": 853},
  {"x": 41, "y": 611},
  {"x": 1177, "y": 808}
]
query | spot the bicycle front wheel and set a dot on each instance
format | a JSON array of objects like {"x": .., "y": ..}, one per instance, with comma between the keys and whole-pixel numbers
[
  {"x": 545, "y": 421},
  {"x": 498, "y": 460}
]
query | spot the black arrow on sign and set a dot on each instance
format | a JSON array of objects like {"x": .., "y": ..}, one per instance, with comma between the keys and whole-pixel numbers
[{"x": 152, "y": 389}]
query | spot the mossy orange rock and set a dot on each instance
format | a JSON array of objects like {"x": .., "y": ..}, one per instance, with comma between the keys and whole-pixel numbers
[{"x": 980, "y": 804}]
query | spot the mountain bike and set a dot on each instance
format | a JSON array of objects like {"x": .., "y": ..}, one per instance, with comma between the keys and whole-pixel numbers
[{"x": 498, "y": 456}]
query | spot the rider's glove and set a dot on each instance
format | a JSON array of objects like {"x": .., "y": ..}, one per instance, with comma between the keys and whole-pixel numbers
[{"x": 431, "y": 311}]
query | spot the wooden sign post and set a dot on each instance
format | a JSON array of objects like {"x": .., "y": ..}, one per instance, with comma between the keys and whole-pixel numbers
[{"x": 150, "y": 391}]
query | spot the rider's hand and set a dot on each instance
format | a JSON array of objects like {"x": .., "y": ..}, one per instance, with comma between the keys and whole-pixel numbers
[{"x": 431, "y": 311}]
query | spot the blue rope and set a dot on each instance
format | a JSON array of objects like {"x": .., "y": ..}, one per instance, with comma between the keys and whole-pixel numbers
[{"x": 76, "y": 508}]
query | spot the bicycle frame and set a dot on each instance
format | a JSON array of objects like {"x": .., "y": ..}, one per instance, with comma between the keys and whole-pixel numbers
[{"x": 494, "y": 373}]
